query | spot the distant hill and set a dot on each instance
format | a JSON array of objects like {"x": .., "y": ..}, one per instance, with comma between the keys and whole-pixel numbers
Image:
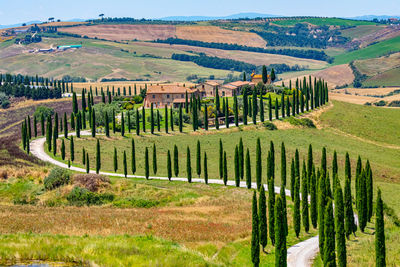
[
  {"x": 35, "y": 22},
  {"x": 234, "y": 16},
  {"x": 371, "y": 17}
]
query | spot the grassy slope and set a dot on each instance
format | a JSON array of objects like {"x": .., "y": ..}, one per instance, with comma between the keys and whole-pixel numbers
[
  {"x": 387, "y": 78},
  {"x": 375, "y": 50},
  {"x": 361, "y": 30},
  {"x": 98, "y": 59}
]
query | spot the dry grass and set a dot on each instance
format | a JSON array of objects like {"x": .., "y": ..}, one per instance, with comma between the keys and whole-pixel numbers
[
  {"x": 121, "y": 32},
  {"x": 374, "y": 66},
  {"x": 218, "y": 35}
]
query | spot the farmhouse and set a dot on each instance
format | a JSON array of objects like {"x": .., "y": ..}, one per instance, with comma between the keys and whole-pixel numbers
[
  {"x": 167, "y": 94},
  {"x": 210, "y": 87},
  {"x": 234, "y": 87}
]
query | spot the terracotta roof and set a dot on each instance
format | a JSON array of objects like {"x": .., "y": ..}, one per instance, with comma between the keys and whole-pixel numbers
[
  {"x": 229, "y": 86},
  {"x": 239, "y": 83},
  {"x": 170, "y": 88},
  {"x": 212, "y": 83}
]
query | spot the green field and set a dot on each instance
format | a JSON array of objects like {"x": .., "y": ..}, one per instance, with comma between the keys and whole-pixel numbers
[
  {"x": 322, "y": 21},
  {"x": 361, "y": 30},
  {"x": 387, "y": 78},
  {"x": 375, "y": 50}
]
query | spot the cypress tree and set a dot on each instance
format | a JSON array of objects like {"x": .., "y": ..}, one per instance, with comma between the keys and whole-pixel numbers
[
  {"x": 226, "y": 114},
  {"x": 125, "y": 165},
  {"x": 169, "y": 167},
  {"x": 369, "y": 187},
  {"x": 63, "y": 150},
  {"x": 188, "y": 165},
  {"x": 264, "y": 74},
  {"x": 225, "y": 169},
  {"x": 270, "y": 108},
  {"x": 166, "y": 118},
  {"x": 358, "y": 174},
  {"x": 283, "y": 104},
  {"x": 217, "y": 104},
  {"x": 144, "y": 119},
  {"x": 122, "y": 124},
  {"x": 137, "y": 122},
  {"x": 241, "y": 159},
  {"x": 310, "y": 164},
  {"x": 171, "y": 119},
  {"x": 362, "y": 206},
  {"x": 236, "y": 165},
  {"x": 98, "y": 159},
  {"x": 205, "y": 117},
  {"x": 55, "y": 127},
  {"x": 176, "y": 161},
  {"x": 74, "y": 103},
  {"x": 296, "y": 211},
  {"x": 87, "y": 163},
  {"x": 254, "y": 111},
  {"x": 198, "y": 158},
  {"x": 262, "y": 119},
  {"x": 304, "y": 200},
  {"x": 159, "y": 120},
  {"x": 129, "y": 122},
  {"x": 54, "y": 140},
  {"x": 248, "y": 169},
  {"x": 236, "y": 109},
  {"x": 313, "y": 199},
  {"x": 323, "y": 161},
  {"x": 113, "y": 122},
  {"x": 350, "y": 226},
  {"x": 151, "y": 119},
  {"x": 205, "y": 168},
  {"x": 49, "y": 132},
  {"x": 292, "y": 179},
  {"x": 294, "y": 104},
  {"x": 115, "y": 158},
  {"x": 146, "y": 163},
  {"x": 329, "y": 236},
  {"x": 339, "y": 226},
  {"x": 283, "y": 164},
  {"x": 280, "y": 234},
  {"x": 334, "y": 166},
  {"x": 154, "y": 159},
  {"x": 180, "y": 118},
  {"x": 262, "y": 213},
  {"x": 23, "y": 135},
  {"x": 255, "y": 240},
  {"x": 133, "y": 156},
  {"x": 107, "y": 124},
  {"x": 245, "y": 106},
  {"x": 258, "y": 164},
  {"x": 65, "y": 126},
  {"x": 380, "y": 247},
  {"x": 221, "y": 159},
  {"x": 72, "y": 149},
  {"x": 271, "y": 206},
  {"x": 276, "y": 109},
  {"x": 42, "y": 124},
  {"x": 283, "y": 197},
  {"x": 216, "y": 120},
  {"x": 321, "y": 213}
]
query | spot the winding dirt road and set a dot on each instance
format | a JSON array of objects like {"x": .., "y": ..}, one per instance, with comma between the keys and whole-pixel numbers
[{"x": 299, "y": 255}]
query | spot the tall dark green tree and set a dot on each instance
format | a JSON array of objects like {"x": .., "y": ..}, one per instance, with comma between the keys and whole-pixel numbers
[
  {"x": 380, "y": 246},
  {"x": 205, "y": 117},
  {"x": 339, "y": 227},
  {"x": 133, "y": 156},
  {"x": 74, "y": 103},
  {"x": 236, "y": 109},
  {"x": 115, "y": 159},
  {"x": 271, "y": 207},
  {"x": 245, "y": 106},
  {"x": 54, "y": 139},
  {"x": 313, "y": 199},
  {"x": 349, "y": 226},
  {"x": 152, "y": 119},
  {"x": 321, "y": 213},
  {"x": 143, "y": 119},
  {"x": 87, "y": 163},
  {"x": 125, "y": 165},
  {"x": 225, "y": 169},
  {"x": 283, "y": 197},
  {"x": 63, "y": 150},
  {"x": 221, "y": 159},
  {"x": 107, "y": 124},
  {"x": 146, "y": 163},
  {"x": 262, "y": 109},
  {"x": 283, "y": 164},
  {"x": 296, "y": 210},
  {"x": 171, "y": 119},
  {"x": 205, "y": 167},
  {"x": 154, "y": 159},
  {"x": 329, "y": 256},
  {"x": 310, "y": 164},
  {"x": 280, "y": 234},
  {"x": 113, "y": 122},
  {"x": 262, "y": 213},
  {"x": 98, "y": 158},
  {"x": 122, "y": 125},
  {"x": 72, "y": 149},
  {"x": 94, "y": 123},
  {"x": 323, "y": 161},
  {"x": 176, "y": 161},
  {"x": 169, "y": 167},
  {"x": 129, "y": 122},
  {"x": 180, "y": 118},
  {"x": 269, "y": 108},
  {"x": 304, "y": 200},
  {"x": 241, "y": 158},
  {"x": 188, "y": 165},
  {"x": 65, "y": 126},
  {"x": 362, "y": 201},
  {"x": 248, "y": 169},
  {"x": 198, "y": 158},
  {"x": 258, "y": 164},
  {"x": 255, "y": 238},
  {"x": 264, "y": 74},
  {"x": 137, "y": 122},
  {"x": 370, "y": 193},
  {"x": 254, "y": 111},
  {"x": 276, "y": 109},
  {"x": 292, "y": 179}
]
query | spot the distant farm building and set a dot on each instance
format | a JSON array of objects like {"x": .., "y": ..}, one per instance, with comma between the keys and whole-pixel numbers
[
  {"x": 257, "y": 78},
  {"x": 66, "y": 47},
  {"x": 168, "y": 94}
]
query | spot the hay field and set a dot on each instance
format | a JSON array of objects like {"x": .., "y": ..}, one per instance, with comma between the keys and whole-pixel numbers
[
  {"x": 374, "y": 66},
  {"x": 119, "y": 32},
  {"x": 218, "y": 35}
]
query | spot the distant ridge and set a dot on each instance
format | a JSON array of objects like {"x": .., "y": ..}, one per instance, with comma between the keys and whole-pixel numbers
[
  {"x": 371, "y": 17},
  {"x": 35, "y": 22},
  {"x": 204, "y": 18}
]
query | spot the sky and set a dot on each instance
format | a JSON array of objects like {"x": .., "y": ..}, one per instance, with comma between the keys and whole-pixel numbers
[{"x": 18, "y": 11}]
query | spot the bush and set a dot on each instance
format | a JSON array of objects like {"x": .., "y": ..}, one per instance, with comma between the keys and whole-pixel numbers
[
  {"x": 92, "y": 182},
  {"x": 81, "y": 196},
  {"x": 304, "y": 122},
  {"x": 395, "y": 103},
  {"x": 56, "y": 178},
  {"x": 4, "y": 102},
  {"x": 270, "y": 126},
  {"x": 381, "y": 103},
  {"x": 46, "y": 111}
]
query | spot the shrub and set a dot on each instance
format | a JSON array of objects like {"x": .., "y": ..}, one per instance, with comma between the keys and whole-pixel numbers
[
  {"x": 4, "y": 102},
  {"x": 46, "y": 111},
  {"x": 381, "y": 103},
  {"x": 304, "y": 122},
  {"x": 270, "y": 126},
  {"x": 395, "y": 103},
  {"x": 92, "y": 182},
  {"x": 56, "y": 178},
  {"x": 81, "y": 196}
]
